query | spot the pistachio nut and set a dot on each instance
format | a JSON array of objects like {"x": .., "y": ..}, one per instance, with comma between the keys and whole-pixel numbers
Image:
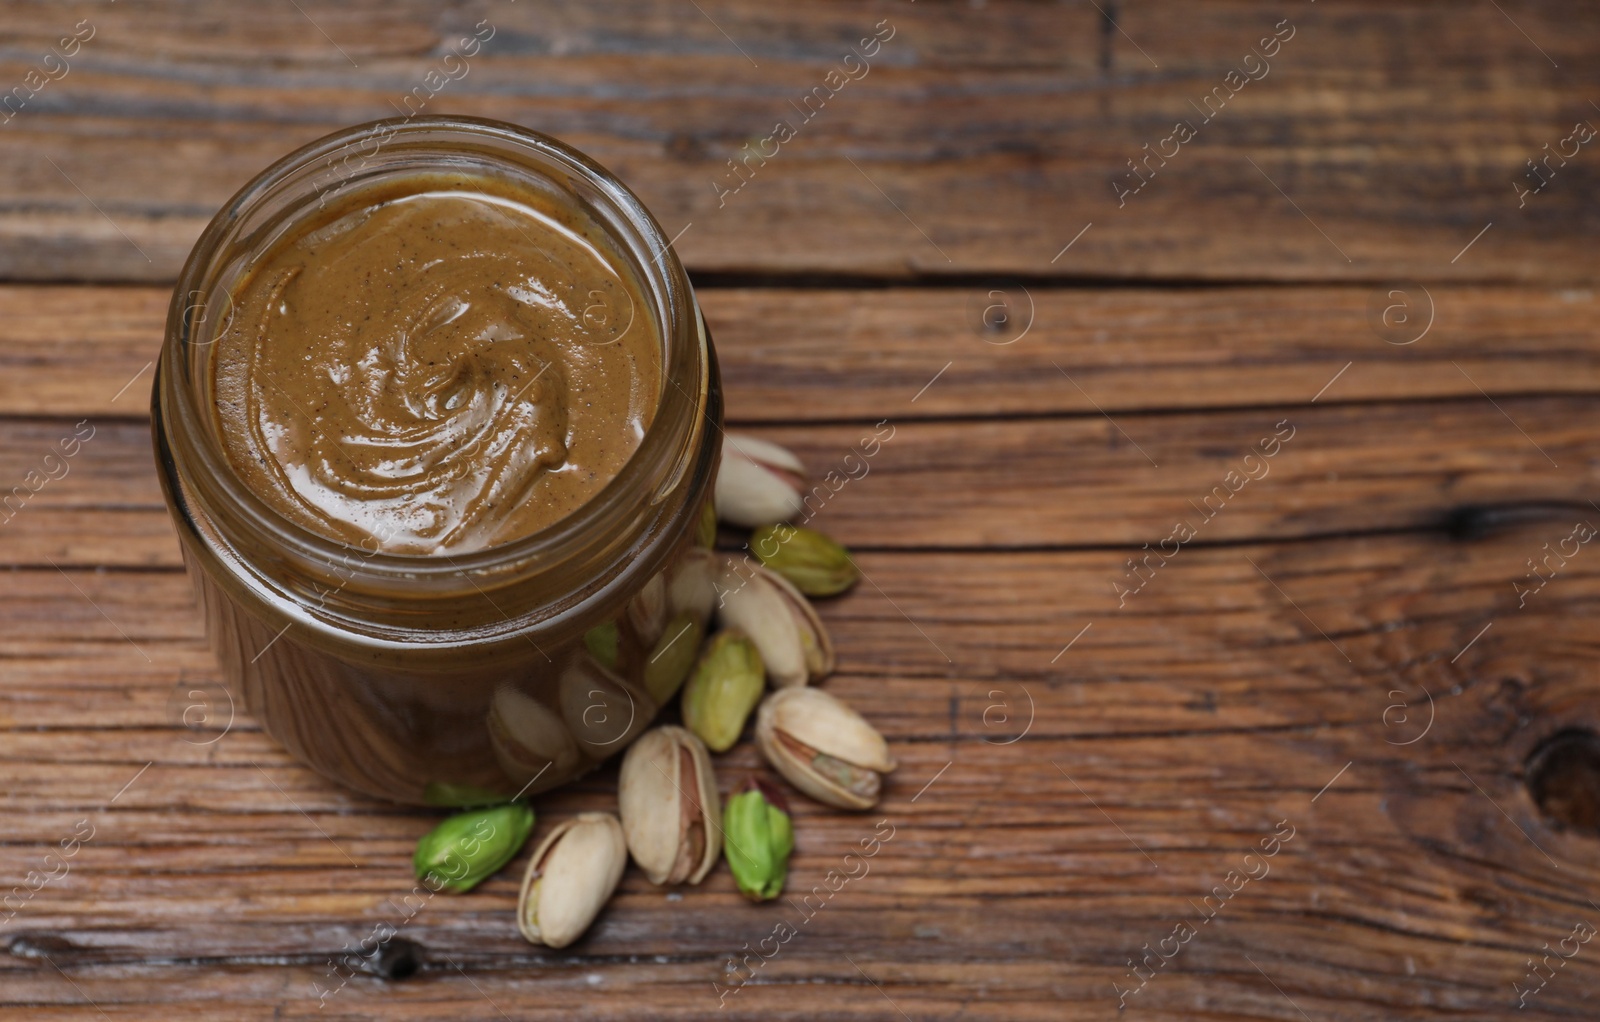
[
  {"x": 794, "y": 645},
  {"x": 602, "y": 710},
  {"x": 570, "y": 877},
  {"x": 758, "y": 482},
  {"x": 603, "y": 642},
  {"x": 823, "y": 747},
  {"x": 705, "y": 532},
  {"x": 449, "y": 795},
  {"x": 726, "y": 685},
  {"x": 468, "y": 848},
  {"x": 647, "y": 611},
  {"x": 814, "y": 563},
  {"x": 673, "y": 657},
  {"x": 528, "y": 738},
  {"x": 667, "y": 796},
  {"x": 757, "y": 837},
  {"x": 692, "y": 584}
]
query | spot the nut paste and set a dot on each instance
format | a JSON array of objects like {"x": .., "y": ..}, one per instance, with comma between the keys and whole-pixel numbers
[{"x": 438, "y": 364}]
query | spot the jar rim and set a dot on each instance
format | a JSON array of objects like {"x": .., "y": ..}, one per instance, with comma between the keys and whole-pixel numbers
[{"x": 665, "y": 452}]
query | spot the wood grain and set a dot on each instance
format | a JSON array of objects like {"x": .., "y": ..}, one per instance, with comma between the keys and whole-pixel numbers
[
  {"x": 1353, "y": 646},
  {"x": 862, "y": 355},
  {"x": 1384, "y": 136},
  {"x": 1039, "y": 483},
  {"x": 1194, "y": 718}
]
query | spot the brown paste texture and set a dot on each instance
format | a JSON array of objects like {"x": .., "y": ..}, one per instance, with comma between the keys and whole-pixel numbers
[{"x": 444, "y": 365}]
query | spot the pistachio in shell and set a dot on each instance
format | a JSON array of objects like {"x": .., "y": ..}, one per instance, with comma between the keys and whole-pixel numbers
[
  {"x": 814, "y": 563},
  {"x": 647, "y": 611},
  {"x": 823, "y": 747},
  {"x": 528, "y": 738},
  {"x": 692, "y": 584},
  {"x": 667, "y": 797},
  {"x": 570, "y": 877},
  {"x": 758, "y": 482},
  {"x": 795, "y": 645},
  {"x": 602, "y": 710}
]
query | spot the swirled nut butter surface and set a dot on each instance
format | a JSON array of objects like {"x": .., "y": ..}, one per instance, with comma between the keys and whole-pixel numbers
[{"x": 436, "y": 365}]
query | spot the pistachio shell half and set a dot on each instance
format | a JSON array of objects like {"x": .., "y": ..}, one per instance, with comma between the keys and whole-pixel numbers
[
  {"x": 823, "y": 747},
  {"x": 572, "y": 874},
  {"x": 794, "y": 644},
  {"x": 667, "y": 795}
]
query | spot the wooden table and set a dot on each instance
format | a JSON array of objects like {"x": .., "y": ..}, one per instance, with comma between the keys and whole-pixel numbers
[{"x": 1330, "y": 626}]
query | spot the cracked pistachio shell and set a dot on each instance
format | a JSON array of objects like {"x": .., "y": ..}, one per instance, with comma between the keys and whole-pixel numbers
[
  {"x": 528, "y": 737},
  {"x": 726, "y": 685},
  {"x": 758, "y": 482},
  {"x": 601, "y": 710},
  {"x": 667, "y": 795},
  {"x": 673, "y": 658},
  {"x": 468, "y": 848},
  {"x": 794, "y": 644},
  {"x": 692, "y": 585},
  {"x": 823, "y": 747},
  {"x": 570, "y": 878},
  {"x": 815, "y": 564}
]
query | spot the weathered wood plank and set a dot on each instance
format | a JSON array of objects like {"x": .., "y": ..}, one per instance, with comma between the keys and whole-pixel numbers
[
  {"x": 1080, "y": 764},
  {"x": 1195, "y": 717},
  {"x": 1074, "y": 481},
  {"x": 1399, "y": 129},
  {"x": 76, "y": 633}
]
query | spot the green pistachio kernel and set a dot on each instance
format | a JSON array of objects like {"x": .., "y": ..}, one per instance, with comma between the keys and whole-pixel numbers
[
  {"x": 672, "y": 659},
  {"x": 706, "y": 532},
  {"x": 757, "y": 838},
  {"x": 815, "y": 564},
  {"x": 602, "y": 641},
  {"x": 445, "y": 795},
  {"x": 726, "y": 685},
  {"x": 468, "y": 848}
]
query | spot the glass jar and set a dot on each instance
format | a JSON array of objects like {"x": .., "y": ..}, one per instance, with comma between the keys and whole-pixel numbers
[{"x": 444, "y": 679}]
